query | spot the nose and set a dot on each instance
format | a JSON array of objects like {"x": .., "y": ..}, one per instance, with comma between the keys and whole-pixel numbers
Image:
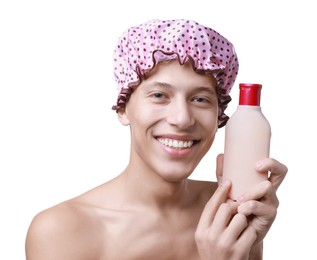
[{"x": 180, "y": 114}]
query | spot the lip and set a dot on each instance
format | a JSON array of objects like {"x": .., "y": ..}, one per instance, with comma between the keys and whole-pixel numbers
[
  {"x": 178, "y": 137},
  {"x": 178, "y": 152}
]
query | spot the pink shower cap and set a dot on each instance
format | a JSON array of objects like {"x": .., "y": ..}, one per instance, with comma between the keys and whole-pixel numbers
[{"x": 141, "y": 47}]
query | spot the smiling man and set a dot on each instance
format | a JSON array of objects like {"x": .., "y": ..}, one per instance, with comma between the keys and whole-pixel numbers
[
  {"x": 173, "y": 120},
  {"x": 174, "y": 79}
]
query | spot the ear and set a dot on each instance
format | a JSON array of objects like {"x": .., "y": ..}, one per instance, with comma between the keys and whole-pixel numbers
[{"x": 123, "y": 117}]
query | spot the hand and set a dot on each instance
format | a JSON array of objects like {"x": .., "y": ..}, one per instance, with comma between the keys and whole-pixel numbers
[
  {"x": 222, "y": 232},
  {"x": 260, "y": 203}
]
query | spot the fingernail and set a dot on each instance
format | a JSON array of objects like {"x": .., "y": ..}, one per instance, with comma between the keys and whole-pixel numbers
[
  {"x": 240, "y": 199},
  {"x": 259, "y": 165},
  {"x": 225, "y": 183}
]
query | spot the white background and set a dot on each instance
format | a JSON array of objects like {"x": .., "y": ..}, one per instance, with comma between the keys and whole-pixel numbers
[{"x": 59, "y": 136}]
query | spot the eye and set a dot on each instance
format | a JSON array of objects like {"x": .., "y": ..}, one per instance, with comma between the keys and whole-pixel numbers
[
  {"x": 201, "y": 100},
  {"x": 204, "y": 101},
  {"x": 158, "y": 95}
]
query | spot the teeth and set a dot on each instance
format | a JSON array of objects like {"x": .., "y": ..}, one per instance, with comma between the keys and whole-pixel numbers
[{"x": 175, "y": 143}]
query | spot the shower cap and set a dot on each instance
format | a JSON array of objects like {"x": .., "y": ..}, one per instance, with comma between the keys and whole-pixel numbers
[{"x": 141, "y": 47}]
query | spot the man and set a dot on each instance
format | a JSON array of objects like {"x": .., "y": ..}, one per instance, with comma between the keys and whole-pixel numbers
[{"x": 174, "y": 79}]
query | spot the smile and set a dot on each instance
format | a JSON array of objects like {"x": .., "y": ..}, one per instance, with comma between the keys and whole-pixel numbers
[{"x": 177, "y": 144}]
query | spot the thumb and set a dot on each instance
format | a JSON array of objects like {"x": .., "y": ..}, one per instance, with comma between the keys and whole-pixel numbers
[{"x": 219, "y": 168}]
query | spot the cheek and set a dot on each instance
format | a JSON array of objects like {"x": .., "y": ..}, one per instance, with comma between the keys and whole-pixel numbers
[
  {"x": 209, "y": 125},
  {"x": 209, "y": 119},
  {"x": 142, "y": 118},
  {"x": 149, "y": 113}
]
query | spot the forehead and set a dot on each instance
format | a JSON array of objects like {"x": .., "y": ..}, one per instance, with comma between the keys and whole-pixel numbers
[{"x": 174, "y": 74}]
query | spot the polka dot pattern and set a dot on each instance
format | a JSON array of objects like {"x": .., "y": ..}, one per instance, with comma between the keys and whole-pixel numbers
[{"x": 141, "y": 47}]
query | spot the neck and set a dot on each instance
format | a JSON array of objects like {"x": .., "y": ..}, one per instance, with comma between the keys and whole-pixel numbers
[{"x": 153, "y": 190}]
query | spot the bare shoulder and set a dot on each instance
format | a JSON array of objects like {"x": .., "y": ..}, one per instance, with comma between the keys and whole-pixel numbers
[
  {"x": 203, "y": 189},
  {"x": 60, "y": 233}
]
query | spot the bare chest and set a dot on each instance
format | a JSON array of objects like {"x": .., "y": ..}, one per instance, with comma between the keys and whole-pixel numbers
[{"x": 150, "y": 237}]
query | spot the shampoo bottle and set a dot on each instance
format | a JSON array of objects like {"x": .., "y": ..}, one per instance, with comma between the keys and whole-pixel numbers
[{"x": 247, "y": 140}]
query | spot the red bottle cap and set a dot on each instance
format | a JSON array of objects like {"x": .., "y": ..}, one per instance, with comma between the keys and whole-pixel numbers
[{"x": 250, "y": 94}]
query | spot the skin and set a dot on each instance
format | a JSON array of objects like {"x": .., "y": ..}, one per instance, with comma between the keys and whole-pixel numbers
[{"x": 152, "y": 210}]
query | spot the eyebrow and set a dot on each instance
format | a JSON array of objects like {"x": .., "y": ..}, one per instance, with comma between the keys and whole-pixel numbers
[
  {"x": 160, "y": 84},
  {"x": 206, "y": 89},
  {"x": 210, "y": 90}
]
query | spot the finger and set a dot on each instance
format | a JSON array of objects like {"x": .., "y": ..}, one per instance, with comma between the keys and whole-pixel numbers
[
  {"x": 264, "y": 191},
  {"x": 213, "y": 205},
  {"x": 223, "y": 217},
  {"x": 238, "y": 223},
  {"x": 219, "y": 167},
  {"x": 257, "y": 208},
  {"x": 277, "y": 170},
  {"x": 246, "y": 239}
]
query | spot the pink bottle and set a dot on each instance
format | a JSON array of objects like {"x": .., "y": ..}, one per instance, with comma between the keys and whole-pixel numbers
[{"x": 247, "y": 140}]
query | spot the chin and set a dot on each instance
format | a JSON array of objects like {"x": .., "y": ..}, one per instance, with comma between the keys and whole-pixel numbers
[{"x": 175, "y": 176}]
